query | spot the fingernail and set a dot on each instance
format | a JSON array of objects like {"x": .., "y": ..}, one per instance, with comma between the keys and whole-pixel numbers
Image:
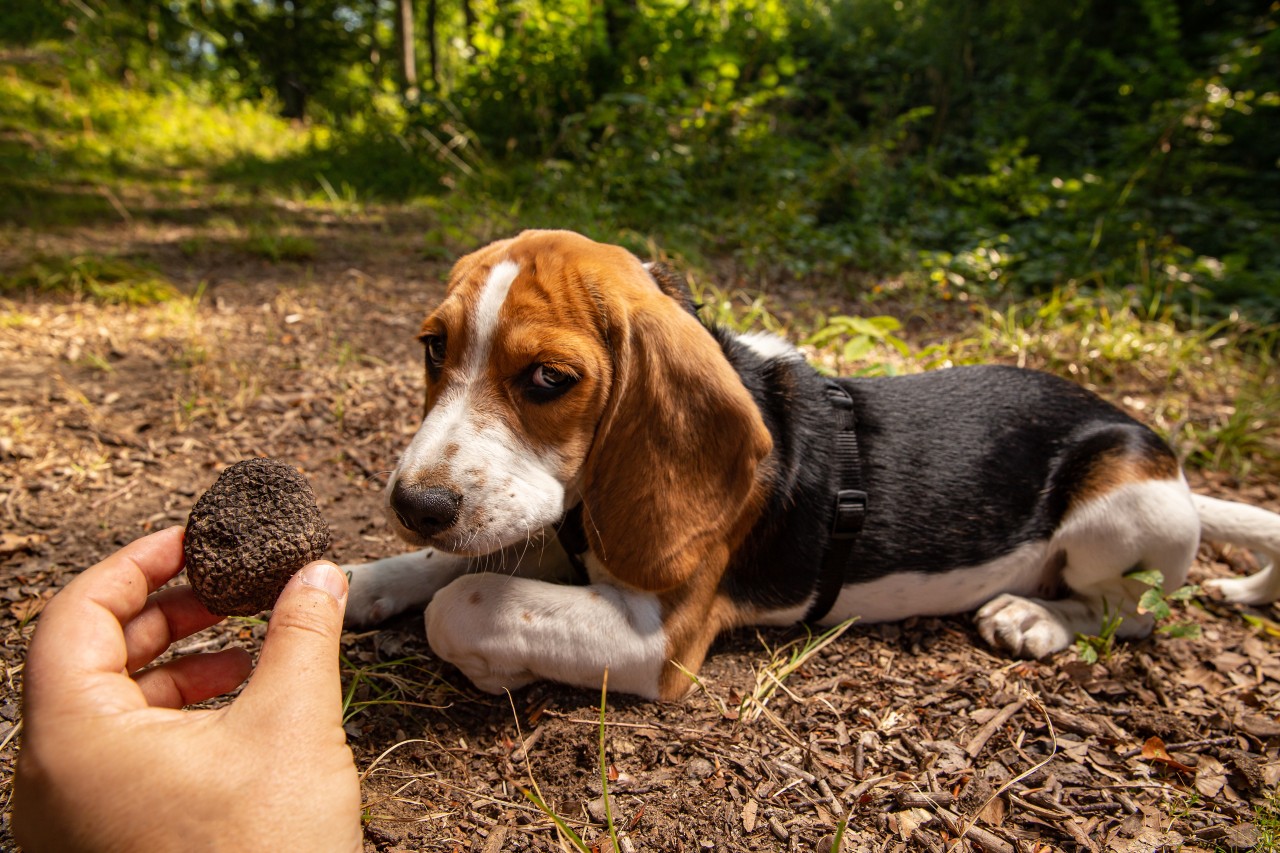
[{"x": 325, "y": 576}]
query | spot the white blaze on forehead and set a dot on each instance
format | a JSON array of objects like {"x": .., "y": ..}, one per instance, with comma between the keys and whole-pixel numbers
[
  {"x": 484, "y": 316},
  {"x": 452, "y": 412}
]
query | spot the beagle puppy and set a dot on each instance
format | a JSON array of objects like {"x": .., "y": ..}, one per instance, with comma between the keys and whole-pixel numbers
[{"x": 578, "y": 414}]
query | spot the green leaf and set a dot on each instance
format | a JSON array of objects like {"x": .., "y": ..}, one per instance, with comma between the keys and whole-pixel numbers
[
  {"x": 1188, "y": 630},
  {"x": 1153, "y": 602},
  {"x": 1150, "y": 577},
  {"x": 858, "y": 348}
]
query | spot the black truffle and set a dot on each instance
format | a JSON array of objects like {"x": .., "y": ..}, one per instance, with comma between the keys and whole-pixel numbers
[{"x": 246, "y": 536}]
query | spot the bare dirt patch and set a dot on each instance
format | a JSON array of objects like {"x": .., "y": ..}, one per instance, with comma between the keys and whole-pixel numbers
[{"x": 113, "y": 419}]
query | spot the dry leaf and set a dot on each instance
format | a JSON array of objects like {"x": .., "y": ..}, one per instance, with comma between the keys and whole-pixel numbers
[
  {"x": 749, "y": 816},
  {"x": 1259, "y": 726},
  {"x": 29, "y": 608},
  {"x": 12, "y": 543},
  {"x": 909, "y": 820},
  {"x": 1153, "y": 750},
  {"x": 993, "y": 813},
  {"x": 1210, "y": 776}
]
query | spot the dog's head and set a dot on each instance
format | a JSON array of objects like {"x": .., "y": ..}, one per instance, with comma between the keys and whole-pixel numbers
[{"x": 559, "y": 371}]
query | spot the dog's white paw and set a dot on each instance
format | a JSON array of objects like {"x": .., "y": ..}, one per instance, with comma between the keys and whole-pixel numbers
[
  {"x": 1027, "y": 628},
  {"x": 466, "y": 627},
  {"x": 370, "y": 599},
  {"x": 366, "y": 607}
]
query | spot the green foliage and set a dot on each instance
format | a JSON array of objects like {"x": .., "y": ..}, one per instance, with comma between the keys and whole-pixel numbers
[
  {"x": 32, "y": 21},
  {"x": 1247, "y": 434},
  {"x": 1267, "y": 820},
  {"x": 858, "y": 336},
  {"x": 71, "y": 141},
  {"x": 1008, "y": 148}
]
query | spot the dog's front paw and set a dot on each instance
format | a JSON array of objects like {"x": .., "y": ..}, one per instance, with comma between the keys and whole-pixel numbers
[
  {"x": 464, "y": 627},
  {"x": 369, "y": 601},
  {"x": 1026, "y": 628}
]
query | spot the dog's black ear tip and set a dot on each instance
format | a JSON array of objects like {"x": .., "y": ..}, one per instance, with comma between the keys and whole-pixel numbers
[{"x": 672, "y": 284}]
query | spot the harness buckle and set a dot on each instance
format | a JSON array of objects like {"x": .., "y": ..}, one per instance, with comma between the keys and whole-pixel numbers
[
  {"x": 851, "y": 512},
  {"x": 837, "y": 396}
]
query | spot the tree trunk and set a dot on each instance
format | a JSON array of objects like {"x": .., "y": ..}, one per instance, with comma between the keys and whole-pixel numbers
[
  {"x": 469, "y": 21},
  {"x": 432, "y": 56},
  {"x": 405, "y": 48}
]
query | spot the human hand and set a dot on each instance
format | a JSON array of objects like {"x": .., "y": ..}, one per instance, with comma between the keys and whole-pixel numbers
[{"x": 109, "y": 761}]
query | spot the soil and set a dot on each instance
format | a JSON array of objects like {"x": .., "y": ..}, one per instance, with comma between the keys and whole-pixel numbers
[{"x": 115, "y": 418}]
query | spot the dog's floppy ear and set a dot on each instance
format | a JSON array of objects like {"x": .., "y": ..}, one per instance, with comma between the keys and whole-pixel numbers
[{"x": 670, "y": 476}]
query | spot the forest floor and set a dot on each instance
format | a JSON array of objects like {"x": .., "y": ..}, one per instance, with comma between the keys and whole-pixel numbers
[{"x": 115, "y": 417}]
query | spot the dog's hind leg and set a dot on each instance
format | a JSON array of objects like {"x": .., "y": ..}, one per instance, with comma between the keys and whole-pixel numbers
[{"x": 1141, "y": 525}]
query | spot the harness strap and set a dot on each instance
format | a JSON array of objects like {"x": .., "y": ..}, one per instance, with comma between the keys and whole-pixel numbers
[
  {"x": 850, "y": 509},
  {"x": 573, "y": 539}
]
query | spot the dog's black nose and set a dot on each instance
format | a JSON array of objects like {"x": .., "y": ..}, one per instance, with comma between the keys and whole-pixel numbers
[{"x": 425, "y": 511}]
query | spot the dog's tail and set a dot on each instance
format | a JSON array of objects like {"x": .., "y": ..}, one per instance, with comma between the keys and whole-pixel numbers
[{"x": 1253, "y": 528}]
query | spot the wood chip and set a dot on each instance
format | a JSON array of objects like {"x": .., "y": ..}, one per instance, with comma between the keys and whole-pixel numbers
[
  {"x": 981, "y": 838},
  {"x": 988, "y": 731}
]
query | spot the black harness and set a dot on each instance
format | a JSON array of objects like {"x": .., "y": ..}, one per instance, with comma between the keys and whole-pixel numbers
[
  {"x": 573, "y": 539},
  {"x": 849, "y": 513},
  {"x": 850, "y": 509}
]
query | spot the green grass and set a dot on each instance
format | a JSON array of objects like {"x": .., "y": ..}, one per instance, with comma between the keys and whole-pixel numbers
[
  {"x": 76, "y": 148},
  {"x": 402, "y": 682},
  {"x": 269, "y": 242},
  {"x": 103, "y": 279},
  {"x": 1268, "y": 823}
]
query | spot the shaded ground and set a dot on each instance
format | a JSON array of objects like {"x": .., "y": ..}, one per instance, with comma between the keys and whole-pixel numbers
[{"x": 113, "y": 419}]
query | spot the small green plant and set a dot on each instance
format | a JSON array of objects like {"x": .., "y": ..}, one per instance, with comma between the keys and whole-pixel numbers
[
  {"x": 735, "y": 309},
  {"x": 604, "y": 767},
  {"x": 838, "y": 840},
  {"x": 1095, "y": 647},
  {"x": 857, "y": 337},
  {"x": 1247, "y": 436},
  {"x": 535, "y": 796},
  {"x": 1268, "y": 823},
  {"x": 1157, "y": 602},
  {"x": 1154, "y": 601}
]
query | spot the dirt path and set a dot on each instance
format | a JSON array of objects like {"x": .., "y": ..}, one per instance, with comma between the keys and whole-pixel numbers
[{"x": 113, "y": 419}]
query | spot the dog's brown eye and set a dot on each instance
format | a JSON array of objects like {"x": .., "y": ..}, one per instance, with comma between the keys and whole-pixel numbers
[
  {"x": 435, "y": 350},
  {"x": 545, "y": 383},
  {"x": 549, "y": 378}
]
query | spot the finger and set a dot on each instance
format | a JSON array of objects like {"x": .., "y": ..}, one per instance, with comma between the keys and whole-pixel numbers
[
  {"x": 79, "y": 640},
  {"x": 185, "y": 681},
  {"x": 297, "y": 673},
  {"x": 169, "y": 615}
]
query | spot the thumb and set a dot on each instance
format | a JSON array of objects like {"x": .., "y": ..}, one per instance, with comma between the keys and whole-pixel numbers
[{"x": 298, "y": 668}]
